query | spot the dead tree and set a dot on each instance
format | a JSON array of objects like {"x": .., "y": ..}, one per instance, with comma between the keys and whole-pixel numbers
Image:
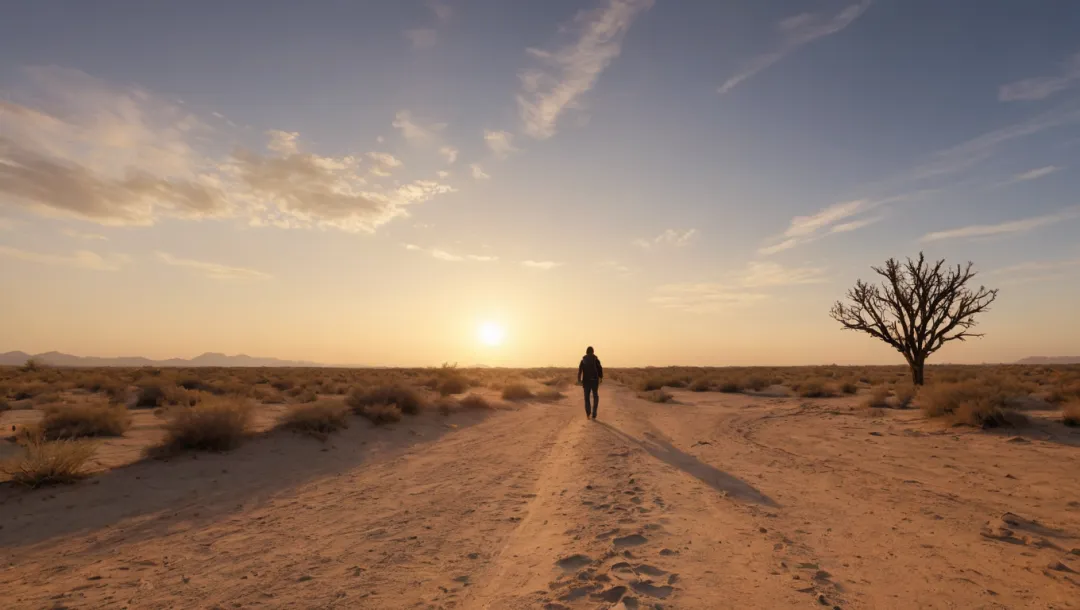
[{"x": 917, "y": 309}]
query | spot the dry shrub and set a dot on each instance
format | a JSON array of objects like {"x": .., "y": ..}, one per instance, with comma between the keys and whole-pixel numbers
[
  {"x": 475, "y": 401},
  {"x": 815, "y": 388},
  {"x": 879, "y": 398},
  {"x": 849, "y": 387},
  {"x": 453, "y": 384},
  {"x": 656, "y": 396},
  {"x": 730, "y": 386},
  {"x": 77, "y": 421},
  {"x": 380, "y": 414},
  {"x": 701, "y": 384},
  {"x": 48, "y": 463},
  {"x": 408, "y": 400},
  {"x": 550, "y": 395},
  {"x": 973, "y": 403},
  {"x": 1070, "y": 414},
  {"x": 216, "y": 425},
  {"x": 317, "y": 419},
  {"x": 904, "y": 395},
  {"x": 149, "y": 397},
  {"x": 516, "y": 391},
  {"x": 656, "y": 382},
  {"x": 757, "y": 383}
]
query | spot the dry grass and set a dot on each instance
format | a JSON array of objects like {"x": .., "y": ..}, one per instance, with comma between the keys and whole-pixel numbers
[
  {"x": 78, "y": 421},
  {"x": 659, "y": 396},
  {"x": 879, "y": 398},
  {"x": 701, "y": 384},
  {"x": 408, "y": 400},
  {"x": 904, "y": 395},
  {"x": 216, "y": 425},
  {"x": 815, "y": 388},
  {"x": 973, "y": 403},
  {"x": 50, "y": 462},
  {"x": 517, "y": 391},
  {"x": 849, "y": 387},
  {"x": 1070, "y": 414},
  {"x": 550, "y": 395},
  {"x": 149, "y": 397},
  {"x": 452, "y": 384},
  {"x": 475, "y": 401},
  {"x": 380, "y": 414},
  {"x": 317, "y": 419}
]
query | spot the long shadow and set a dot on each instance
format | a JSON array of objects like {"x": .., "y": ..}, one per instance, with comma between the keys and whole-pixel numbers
[
  {"x": 709, "y": 475},
  {"x": 153, "y": 497},
  {"x": 1042, "y": 429}
]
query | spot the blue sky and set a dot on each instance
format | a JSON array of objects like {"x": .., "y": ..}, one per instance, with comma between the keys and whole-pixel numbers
[{"x": 369, "y": 181}]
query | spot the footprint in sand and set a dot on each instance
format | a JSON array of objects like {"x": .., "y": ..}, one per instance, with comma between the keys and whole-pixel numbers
[
  {"x": 649, "y": 570},
  {"x": 573, "y": 562},
  {"x": 631, "y": 540},
  {"x": 611, "y": 595},
  {"x": 646, "y": 587}
]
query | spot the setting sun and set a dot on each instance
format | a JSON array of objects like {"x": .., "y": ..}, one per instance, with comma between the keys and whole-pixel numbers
[{"x": 491, "y": 334}]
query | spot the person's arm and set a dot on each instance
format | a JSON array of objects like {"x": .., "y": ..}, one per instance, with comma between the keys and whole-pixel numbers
[
  {"x": 580, "y": 370},
  {"x": 599, "y": 370}
]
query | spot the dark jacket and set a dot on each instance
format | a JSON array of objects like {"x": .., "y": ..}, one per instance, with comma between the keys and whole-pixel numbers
[{"x": 590, "y": 368}]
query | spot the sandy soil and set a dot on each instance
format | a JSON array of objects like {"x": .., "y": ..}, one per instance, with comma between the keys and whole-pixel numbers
[{"x": 719, "y": 501}]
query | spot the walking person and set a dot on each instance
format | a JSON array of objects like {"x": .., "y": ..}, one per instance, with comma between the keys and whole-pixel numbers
[{"x": 589, "y": 374}]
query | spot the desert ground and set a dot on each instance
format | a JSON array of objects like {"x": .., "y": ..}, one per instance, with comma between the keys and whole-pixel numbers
[{"x": 773, "y": 497}]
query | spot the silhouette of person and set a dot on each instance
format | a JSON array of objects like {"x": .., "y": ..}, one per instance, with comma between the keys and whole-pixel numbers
[{"x": 589, "y": 374}]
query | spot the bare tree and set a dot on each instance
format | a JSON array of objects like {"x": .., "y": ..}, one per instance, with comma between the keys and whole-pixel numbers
[{"x": 917, "y": 309}]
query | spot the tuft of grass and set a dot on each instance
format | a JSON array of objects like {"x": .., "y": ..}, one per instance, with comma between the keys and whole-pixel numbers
[
  {"x": 475, "y": 401},
  {"x": 516, "y": 391},
  {"x": 217, "y": 425},
  {"x": 380, "y": 414},
  {"x": 78, "y": 421},
  {"x": 317, "y": 419},
  {"x": 1070, "y": 414},
  {"x": 814, "y": 388},
  {"x": 972, "y": 403},
  {"x": 904, "y": 395},
  {"x": 407, "y": 399},
  {"x": 879, "y": 397},
  {"x": 550, "y": 395},
  {"x": 656, "y": 396},
  {"x": 701, "y": 384},
  {"x": 453, "y": 384},
  {"x": 149, "y": 397},
  {"x": 50, "y": 462}
]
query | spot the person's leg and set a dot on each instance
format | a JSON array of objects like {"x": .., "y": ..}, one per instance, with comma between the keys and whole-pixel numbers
[
  {"x": 585, "y": 385},
  {"x": 595, "y": 397}
]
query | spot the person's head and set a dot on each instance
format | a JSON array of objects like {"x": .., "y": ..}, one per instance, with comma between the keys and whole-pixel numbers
[{"x": 589, "y": 350}]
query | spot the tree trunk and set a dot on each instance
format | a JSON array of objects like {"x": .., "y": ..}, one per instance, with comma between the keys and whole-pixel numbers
[{"x": 917, "y": 365}]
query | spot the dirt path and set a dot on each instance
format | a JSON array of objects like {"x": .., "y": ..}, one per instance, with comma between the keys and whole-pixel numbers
[{"x": 722, "y": 501}]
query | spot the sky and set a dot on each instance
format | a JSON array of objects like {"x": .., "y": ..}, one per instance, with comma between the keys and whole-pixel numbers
[{"x": 503, "y": 183}]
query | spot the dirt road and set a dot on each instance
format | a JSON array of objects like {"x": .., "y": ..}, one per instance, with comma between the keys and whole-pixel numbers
[{"x": 719, "y": 501}]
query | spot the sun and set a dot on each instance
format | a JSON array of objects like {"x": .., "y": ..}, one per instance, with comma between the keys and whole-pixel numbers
[{"x": 491, "y": 334}]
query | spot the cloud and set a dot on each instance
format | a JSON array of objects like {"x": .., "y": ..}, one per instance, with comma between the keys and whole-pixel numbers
[
  {"x": 703, "y": 297},
  {"x": 443, "y": 12},
  {"x": 478, "y": 172},
  {"x": 669, "y": 237},
  {"x": 80, "y": 148},
  {"x": 449, "y": 153},
  {"x": 383, "y": 163},
  {"x": 422, "y": 38},
  {"x": 1033, "y": 174},
  {"x": 759, "y": 274},
  {"x": 1037, "y": 266},
  {"x": 541, "y": 265},
  {"x": 214, "y": 271},
  {"x": 795, "y": 32},
  {"x": 572, "y": 69},
  {"x": 81, "y": 235},
  {"x": 80, "y": 259},
  {"x": 1042, "y": 87},
  {"x": 1004, "y": 228},
  {"x": 831, "y": 219},
  {"x": 500, "y": 142},
  {"x": 443, "y": 255},
  {"x": 414, "y": 131}
]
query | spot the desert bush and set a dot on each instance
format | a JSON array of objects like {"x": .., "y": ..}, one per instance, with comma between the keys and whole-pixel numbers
[
  {"x": 268, "y": 395},
  {"x": 550, "y": 395},
  {"x": 973, "y": 403},
  {"x": 50, "y": 462},
  {"x": 757, "y": 383},
  {"x": 656, "y": 396},
  {"x": 475, "y": 401},
  {"x": 849, "y": 387},
  {"x": 214, "y": 425},
  {"x": 815, "y": 388},
  {"x": 282, "y": 385},
  {"x": 1070, "y": 414},
  {"x": 380, "y": 414},
  {"x": 77, "y": 421},
  {"x": 516, "y": 391},
  {"x": 317, "y": 419},
  {"x": 305, "y": 396},
  {"x": 879, "y": 398},
  {"x": 904, "y": 395},
  {"x": 730, "y": 385},
  {"x": 656, "y": 382},
  {"x": 406, "y": 399},
  {"x": 701, "y": 384},
  {"x": 149, "y": 397},
  {"x": 453, "y": 384}
]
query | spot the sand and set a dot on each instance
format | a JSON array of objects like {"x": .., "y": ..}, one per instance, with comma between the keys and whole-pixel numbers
[{"x": 716, "y": 501}]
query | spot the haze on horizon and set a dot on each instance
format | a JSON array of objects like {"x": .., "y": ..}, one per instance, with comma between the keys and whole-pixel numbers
[{"x": 500, "y": 183}]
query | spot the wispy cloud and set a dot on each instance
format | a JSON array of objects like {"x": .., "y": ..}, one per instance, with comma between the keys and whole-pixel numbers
[
  {"x": 443, "y": 255},
  {"x": 500, "y": 142},
  {"x": 759, "y": 274},
  {"x": 572, "y": 69},
  {"x": 442, "y": 173},
  {"x": 73, "y": 233},
  {"x": 422, "y": 38},
  {"x": 383, "y": 163},
  {"x": 836, "y": 218},
  {"x": 214, "y": 271},
  {"x": 1004, "y": 228},
  {"x": 541, "y": 265},
  {"x": 478, "y": 172},
  {"x": 1042, "y": 87},
  {"x": 741, "y": 288},
  {"x": 80, "y": 259},
  {"x": 1037, "y": 267},
  {"x": 670, "y": 237},
  {"x": 1034, "y": 174},
  {"x": 795, "y": 32},
  {"x": 449, "y": 153},
  {"x": 415, "y": 130}
]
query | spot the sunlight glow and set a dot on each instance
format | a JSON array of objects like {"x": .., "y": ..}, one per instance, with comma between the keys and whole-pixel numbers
[{"x": 491, "y": 334}]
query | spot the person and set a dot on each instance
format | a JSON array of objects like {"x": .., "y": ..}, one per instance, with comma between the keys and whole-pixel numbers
[{"x": 589, "y": 374}]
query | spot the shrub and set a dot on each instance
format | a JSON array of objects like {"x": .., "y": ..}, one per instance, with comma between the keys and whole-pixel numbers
[
  {"x": 814, "y": 388},
  {"x": 879, "y": 398},
  {"x": 849, "y": 387},
  {"x": 217, "y": 425},
  {"x": 657, "y": 396},
  {"x": 77, "y": 421},
  {"x": 730, "y": 386},
  {"x": 757, "y": 383},
  {"x": 974, "y": 403},
  {"x": 701, "y": 384},
  {"x": 475, "y": 401},
  {"x": 317, "y": 419},
  {"x": 149, "y": 397},
  {"x": 1070, "y": 414},
  {"x": 550, "y": 395},
  {"x": 904, "y": 395},
  {"x": 47, "y": 463},
  {"x": 380, "y": 414},
  {"x": 657, "y": 382},
  {"x": 453, "y": 384},
  {"x": 516, "y": 391},
  {"x": 405, "y": 398}
]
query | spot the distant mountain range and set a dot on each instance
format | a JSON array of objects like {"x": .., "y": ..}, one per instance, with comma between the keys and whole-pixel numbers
[
  {"x": 1050, "y": 360},
  {"x": 207, "y": 359}
]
